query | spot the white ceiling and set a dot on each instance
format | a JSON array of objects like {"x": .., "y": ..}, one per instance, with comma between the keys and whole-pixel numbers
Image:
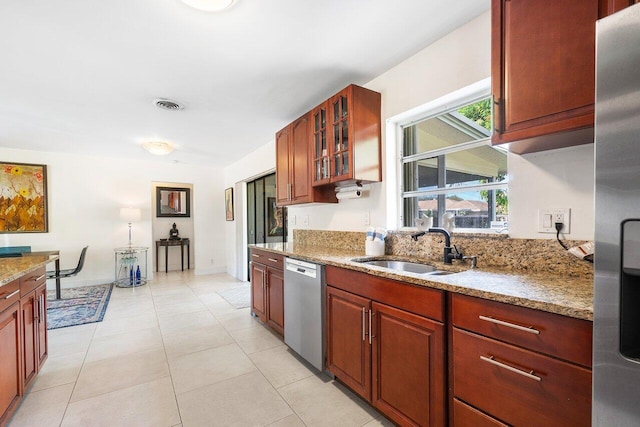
[{"x": 81, "y": 75}]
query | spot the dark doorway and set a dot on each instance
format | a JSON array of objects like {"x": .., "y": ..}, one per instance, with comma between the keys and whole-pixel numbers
[{"x": 267, "y": 223}]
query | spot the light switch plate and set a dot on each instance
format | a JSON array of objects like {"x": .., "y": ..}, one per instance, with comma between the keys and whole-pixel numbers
[{"x": 547, "y": 219}]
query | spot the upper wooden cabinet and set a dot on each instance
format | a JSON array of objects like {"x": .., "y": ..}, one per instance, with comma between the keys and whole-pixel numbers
[
  {"x": 607, "y": 7},
  {"x": 346, "y": 137},
  {"x": 543, "y": 73},
  {"x": 293, "y": 176}
]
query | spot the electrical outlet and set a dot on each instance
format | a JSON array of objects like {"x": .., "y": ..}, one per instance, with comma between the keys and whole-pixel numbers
[
  {"x": 547, "y": 219},
  {"x": 305, "y": 220},
  {"x": 366, "y": 218}
]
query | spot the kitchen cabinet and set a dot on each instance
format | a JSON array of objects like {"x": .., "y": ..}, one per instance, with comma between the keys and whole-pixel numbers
[
  {"x": 23, "y": 337},
  {"x": 10, "y": 343},
  {"x": 33, "y": 324},
  {"x": 543, "y": 73},
  {"x": 608, "y": 7},
  {"x": 347, "y": 137},
  {"x": 293, "y": 174},
  {"x": 267, "y": 288},
  {"x": 385, "y": 340},
  {"x": 518, "y": 366}
]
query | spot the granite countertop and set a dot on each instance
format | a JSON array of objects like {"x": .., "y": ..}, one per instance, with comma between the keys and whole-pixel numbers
[
  {"x": 13, "y": 268},
  {"x": 565, "y": 295}
]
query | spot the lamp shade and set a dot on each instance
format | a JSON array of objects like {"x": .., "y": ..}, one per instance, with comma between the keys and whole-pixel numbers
[{"x": 130, "y": 214}]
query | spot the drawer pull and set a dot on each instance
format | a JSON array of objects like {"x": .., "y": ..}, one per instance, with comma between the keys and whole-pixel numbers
[
  {"x": 493, "y": 361},
  {"x": 255, "y": 255},
  {"x": 40, "y": 277},
  {"x": 12, "y": 294},
  {"x": 510, "y": 325},
  {"x": 273, "y": 260}
]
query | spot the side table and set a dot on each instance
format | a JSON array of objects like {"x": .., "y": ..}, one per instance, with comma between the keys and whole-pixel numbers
[
  {"x": 173, "y": 242},
  {"x": 128, "y": 259}
]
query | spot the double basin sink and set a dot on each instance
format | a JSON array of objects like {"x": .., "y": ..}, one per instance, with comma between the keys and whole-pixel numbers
[{"x": 404, "y": 266}]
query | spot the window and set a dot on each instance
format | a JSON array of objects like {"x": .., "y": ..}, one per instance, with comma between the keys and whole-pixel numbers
[{"x": 450, "y": 170}]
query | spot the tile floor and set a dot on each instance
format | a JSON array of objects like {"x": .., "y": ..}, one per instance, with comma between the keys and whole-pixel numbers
[{"x": 174, "y": 353}]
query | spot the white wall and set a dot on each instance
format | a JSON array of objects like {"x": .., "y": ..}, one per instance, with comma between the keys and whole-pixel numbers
[
  {"x": 85, "y": 195},
  {"x": 560, "y": 178},
  {"x": 260, "y": 162}
]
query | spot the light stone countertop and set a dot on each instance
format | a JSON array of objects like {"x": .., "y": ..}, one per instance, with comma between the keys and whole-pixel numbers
[
  {"x": 15, "y": 267},
  {"x": 565, "y": 295}
]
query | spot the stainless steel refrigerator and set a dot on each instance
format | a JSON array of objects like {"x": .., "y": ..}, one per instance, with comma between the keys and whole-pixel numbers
[{"x": 616, "y": 345}]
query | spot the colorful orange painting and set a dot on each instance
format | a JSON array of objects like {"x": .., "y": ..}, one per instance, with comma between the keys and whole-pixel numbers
[{"x": 23, "y": 198}]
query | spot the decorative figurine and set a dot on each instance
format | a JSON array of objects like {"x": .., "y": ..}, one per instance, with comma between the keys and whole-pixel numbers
[{"x": 174, "y": 234}]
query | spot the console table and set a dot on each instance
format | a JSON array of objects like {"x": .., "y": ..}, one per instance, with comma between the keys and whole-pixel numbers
[
  {"x": 126, "y": 262},
  {"x": 175, "y": 242}
]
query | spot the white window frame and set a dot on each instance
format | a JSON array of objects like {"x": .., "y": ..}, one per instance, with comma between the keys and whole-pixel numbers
[{"x": 394, "y": 126}]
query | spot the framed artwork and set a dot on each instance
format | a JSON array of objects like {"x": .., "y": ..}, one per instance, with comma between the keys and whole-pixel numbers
[
  {"x": 228, "y": 203},
  {"x": 275, "y": 218},
  {"x": 23, "y": 198},
  {"x": 173, "y": 202}
]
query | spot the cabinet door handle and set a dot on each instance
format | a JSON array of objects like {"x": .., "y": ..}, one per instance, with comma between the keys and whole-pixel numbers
[
  {"x": 12, "y": 294},
  {"x": 371, "y": 314},
  {"x": 493, "y": 361},
  {"x": 42, "y": 308},
  {"x": 364, "y": 333},
  {"x": 529, "y": 329},
  {"x": 36, "y": 310}
]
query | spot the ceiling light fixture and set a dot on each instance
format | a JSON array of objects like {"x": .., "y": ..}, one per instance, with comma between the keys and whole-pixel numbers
[
  {"x": 209, "y": 5},
  {"x": 159, "y": 148}
]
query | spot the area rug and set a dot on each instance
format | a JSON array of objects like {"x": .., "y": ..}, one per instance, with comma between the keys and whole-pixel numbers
[
  {"x": 81, "y": 305},
  {"x": 239, "y": 297}
]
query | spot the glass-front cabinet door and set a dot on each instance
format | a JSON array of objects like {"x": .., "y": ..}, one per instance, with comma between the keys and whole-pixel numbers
[
  {"x": 341, "y": 149},
  {"x": 321, "y": 156}
]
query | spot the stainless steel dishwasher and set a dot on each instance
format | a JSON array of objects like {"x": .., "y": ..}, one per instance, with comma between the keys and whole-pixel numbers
[{"x": 304, "y": 303}]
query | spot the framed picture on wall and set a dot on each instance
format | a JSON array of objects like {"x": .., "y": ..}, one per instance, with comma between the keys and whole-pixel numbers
[
  {"x": 23, "y": 198},
  {"x": 228, "y": 203},
  {"x": 275, "y": 218}
]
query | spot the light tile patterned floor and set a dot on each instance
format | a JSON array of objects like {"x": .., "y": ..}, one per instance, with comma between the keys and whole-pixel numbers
[{"x": 174, "y": 353}]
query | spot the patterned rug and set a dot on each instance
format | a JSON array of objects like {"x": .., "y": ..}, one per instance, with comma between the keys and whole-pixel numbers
[
  {"x": 81, "y": 305},
  {"x": 238, "y": 297}
]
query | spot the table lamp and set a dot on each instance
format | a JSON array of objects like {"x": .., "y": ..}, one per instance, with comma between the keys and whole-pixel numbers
[{"x": 130, "y": 215}]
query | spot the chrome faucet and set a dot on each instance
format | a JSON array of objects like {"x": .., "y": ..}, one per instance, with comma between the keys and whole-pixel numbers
[{"x": 450, "y": 253}]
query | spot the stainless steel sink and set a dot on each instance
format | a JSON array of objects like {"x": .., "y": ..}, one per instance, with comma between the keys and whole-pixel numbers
[{"x": 407, "y": 266}]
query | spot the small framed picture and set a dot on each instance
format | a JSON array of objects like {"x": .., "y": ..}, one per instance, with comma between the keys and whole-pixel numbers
[{"x": 228, "y": 203}]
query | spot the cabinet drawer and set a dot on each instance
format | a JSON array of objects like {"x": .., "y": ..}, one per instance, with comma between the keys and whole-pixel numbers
[
  {"x": 267, "y": 258},
  {"x": 9, "y": 294},
  {"x": 466, "y": 416},
  {"x": 32, "y": 280},
  {"x": 415, "y": 299},
  {"x": 559, "y": 336},
  {"x": 518, "y": 386}
]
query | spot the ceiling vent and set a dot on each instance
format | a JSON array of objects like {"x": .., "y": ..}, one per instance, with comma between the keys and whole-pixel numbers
[{"x": 167, "y": 104}]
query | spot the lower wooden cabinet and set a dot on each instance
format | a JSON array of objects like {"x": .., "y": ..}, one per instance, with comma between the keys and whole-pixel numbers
[
  {"x": 518, "y": 366},
  {"x": 23, "y": 337},
  {"x": 10, "y": 374},
  {"x": 393, "y": 358},
  {"x": 267, "y": 289}
]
